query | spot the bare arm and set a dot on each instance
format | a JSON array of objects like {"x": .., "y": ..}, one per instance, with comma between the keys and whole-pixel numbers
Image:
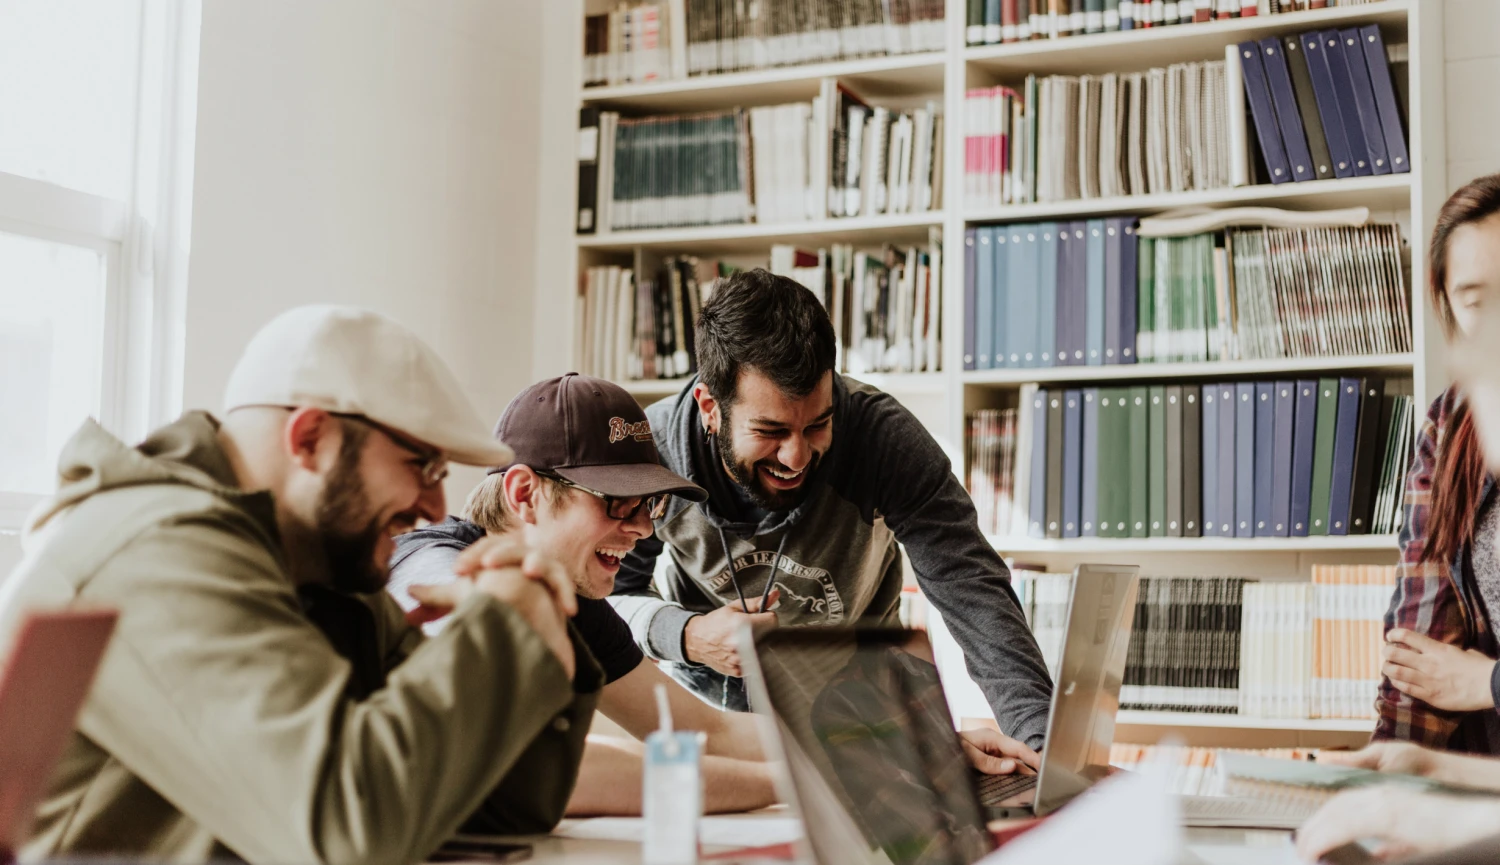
[
  {"x": 631, "y": 703},
  {"x": 609, "y": 781}
]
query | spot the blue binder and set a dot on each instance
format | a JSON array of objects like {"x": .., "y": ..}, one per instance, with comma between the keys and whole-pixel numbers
[
  {"x": 1129, "y": 249},
  {"x": 1094, "y": 286},
  {"x": 1281, "y": 459},
  {"x": 1345, "y": 429},
  {"x": 1021, "y": 320},
  {"x": 1328, "y": 103},
  {"x": 1209, "y": 420},
  {"x": 1229, "y": 478},
  {"x": 1258, "y": 94},
  {"x": 1072, "y": 278},
  {"x": 984, "y": 307},
  {"x": 1304, "y": 425},
  {"x": 971, "y": 313},
  {"x": 1046, "y": 293},
  {"x": 1364, "y": 101},
  {"x": 1062, "y": 352},
  {"x": 1000, "y": 308},
  {"x": 1343, "y": 88},
  {"x": 1072, "y": 489},
  {"x": 1244, "y": 460},
  {"x": 1284, "y": 101},
  {"x": 1090, "y": 515},
  {"x": 1037, "y": 506},
  {"x": 1385, "y": 98},
  {"x": 1265, "y": 442}
]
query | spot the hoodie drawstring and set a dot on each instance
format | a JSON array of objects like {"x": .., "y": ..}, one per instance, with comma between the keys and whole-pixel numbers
[{"x": 734, "y": 577}]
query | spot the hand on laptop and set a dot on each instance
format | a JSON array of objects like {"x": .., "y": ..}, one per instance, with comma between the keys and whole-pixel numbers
[
  {"x": 1405, "y": 821},
  {"x": 714, "y": 638},
  {"x": 995, "y": 753}
]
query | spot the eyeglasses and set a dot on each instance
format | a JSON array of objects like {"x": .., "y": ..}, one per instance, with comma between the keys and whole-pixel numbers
[
  {"x": 432, "y": 467},
  {"x": 621, "y": 508}
]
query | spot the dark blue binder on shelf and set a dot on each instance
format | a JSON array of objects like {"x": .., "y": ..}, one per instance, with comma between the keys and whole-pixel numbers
[
  {"x": 1046, "y": 294},
  {"x": 1345, "y": 431},
  {"x": 1343, "y": 89},
  {"x": 1364, "y": 101},
  {"x": 1265, "y": 443},
  {"x": 1285, "y": 401},
  {"x": 1094, "y": 240},
  {"x": 1072, "y": 287},
  {"x": 1245, "y": 447},
  {"x": 1129, "y": 249},
  {"x": 1021, "y": 319},
  {"x": 1319, "y": 71},
  {"x": 1037, "y": 506},
  {"x": 1258, "y": 95},
  {"x": 1000, "y": 305},
  {"x": 1090, "y": 515},
  {"x": 984, "y": 307},
  {"x": 1072, "y": 478},
  {"x": 1385, "y": 98},
  {"x": 1209, "y": 458},
  {"x": 1288, "y": 119},
  {"x": 1304, "y": 425},
  {"x": 1229, "y": 478},
  {"x": 1113, "y": 237},
  {"x": 971, "y": 312}
]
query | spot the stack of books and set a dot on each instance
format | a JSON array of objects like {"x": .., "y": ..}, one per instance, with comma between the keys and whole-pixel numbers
[
  {"x": 995, "y": 21},
  {"x": 1044, "y": 601},
  {"x": 643, "y": 328},
  {"x": 1184, "y": 653},
  {"x": 1197, "y": 769},
  {"x": 1246, "y": 459},
  {"x": 1348, "y": 628},
  {"x": 1068, "y": 137},
  {"x": 836, "y": 156},
  {"x": 992, "y": 470},
  {"x": 1094, "y": 292},
  {"x": 1276, "y": 645},
  {"x": 631, "y": 43}
]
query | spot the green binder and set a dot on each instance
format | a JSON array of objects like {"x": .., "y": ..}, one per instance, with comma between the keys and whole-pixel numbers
[
  {"x": 1114, "y": 463},
  {"x": 1322, "y": 468},
  {"x": 1145, "y": 314},
  {"x": 1156, "y": 462},
  {"x": 1139, "y": 454}
]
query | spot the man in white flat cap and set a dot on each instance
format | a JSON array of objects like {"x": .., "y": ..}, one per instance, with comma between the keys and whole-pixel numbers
[{"x": 262, "y": 698}]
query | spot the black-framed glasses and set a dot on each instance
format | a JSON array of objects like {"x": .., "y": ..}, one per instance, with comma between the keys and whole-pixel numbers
[
  {"x": 432, "y": 465},
  {"x": 621, "y": 507}
]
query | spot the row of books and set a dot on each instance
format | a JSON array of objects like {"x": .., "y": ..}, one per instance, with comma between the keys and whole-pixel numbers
[
  {"x": 650, "y": 40},
  {"x": 995, "y": 21},
  {"x": 833, "y": 157},
  {"x": 886, "y": 306},
  {"x": 1096, "y": 293},
  {"x": 1184, "y": 652},
  {"x": 643, "y": 328},
  {"x": 1323, "y": 104},
  {"x": 1248, "y": 459},
  {"x": 1068, "y": 137},
  {"x": 1195, "y": 771}
]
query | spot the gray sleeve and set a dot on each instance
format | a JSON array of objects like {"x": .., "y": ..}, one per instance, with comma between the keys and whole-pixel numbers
[
  {"x": 657, "y": 624},
  {"x": 913, "y": 486},
  {"x": 429, "y": 566}
]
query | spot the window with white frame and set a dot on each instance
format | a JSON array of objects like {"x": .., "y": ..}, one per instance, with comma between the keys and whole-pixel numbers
[{"x": 97, "y": 106}]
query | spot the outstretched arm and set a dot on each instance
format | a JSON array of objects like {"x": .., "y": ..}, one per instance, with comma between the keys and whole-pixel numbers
[{"x": 609, "y": 781}]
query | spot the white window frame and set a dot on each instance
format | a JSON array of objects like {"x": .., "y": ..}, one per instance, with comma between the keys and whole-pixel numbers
[{"x": 144, "y": 238}]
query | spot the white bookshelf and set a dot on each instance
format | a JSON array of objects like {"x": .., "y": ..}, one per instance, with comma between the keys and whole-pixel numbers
[{"x": 943, "y": 400}]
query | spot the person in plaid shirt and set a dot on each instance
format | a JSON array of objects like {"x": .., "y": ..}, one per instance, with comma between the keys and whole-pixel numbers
[{"x": 1440, "y": 677}]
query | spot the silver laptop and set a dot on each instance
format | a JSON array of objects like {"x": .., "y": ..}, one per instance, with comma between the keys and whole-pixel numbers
[{"x": 874, "y": 765}]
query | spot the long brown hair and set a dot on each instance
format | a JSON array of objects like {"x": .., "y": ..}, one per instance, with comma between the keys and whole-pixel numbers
[{"x": 1458, "y": 477}]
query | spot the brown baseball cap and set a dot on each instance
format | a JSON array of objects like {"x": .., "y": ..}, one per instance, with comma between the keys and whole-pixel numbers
[{"x": 591, "y": 432}]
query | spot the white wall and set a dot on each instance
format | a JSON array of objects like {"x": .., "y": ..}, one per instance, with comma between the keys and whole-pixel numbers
[
  {"x": 1471, "y": 54},
  {"x": 372, "y": 152}
]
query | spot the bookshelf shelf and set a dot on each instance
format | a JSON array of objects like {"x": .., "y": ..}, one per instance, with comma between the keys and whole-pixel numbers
[
  {"x": 1144, "y": 546},
  {"x": 753, "y": 237},
  {"x": 1170, "y": 371},
  {"x": 1388, "y": 192},
  {"x": 1243, "y": 722},
  {"x": 893, "y": 75},
  {"x": 1137, "y": 49}
]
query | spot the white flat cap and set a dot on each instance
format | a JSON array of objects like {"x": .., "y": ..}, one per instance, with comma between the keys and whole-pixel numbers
[{"x": 352, "y": 361}]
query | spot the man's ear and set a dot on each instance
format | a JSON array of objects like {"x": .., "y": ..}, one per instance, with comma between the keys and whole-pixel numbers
[
  {"x": 522, "y": 488},
  {"x": 708, "y": 408},
  {"x": 312, "y": 438}
]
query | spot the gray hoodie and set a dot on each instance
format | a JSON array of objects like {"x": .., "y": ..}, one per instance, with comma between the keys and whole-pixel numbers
[{"x": 884, "y": 481}]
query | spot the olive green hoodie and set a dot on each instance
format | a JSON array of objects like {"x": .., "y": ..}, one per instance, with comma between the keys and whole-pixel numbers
[{"x": 225, "y": 722}]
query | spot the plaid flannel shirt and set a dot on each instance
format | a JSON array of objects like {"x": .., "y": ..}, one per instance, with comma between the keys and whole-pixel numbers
[{"x": 1435, "y": 599}]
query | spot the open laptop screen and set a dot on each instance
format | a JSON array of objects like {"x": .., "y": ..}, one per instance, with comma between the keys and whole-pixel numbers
[{"x": 867, "y": 733}]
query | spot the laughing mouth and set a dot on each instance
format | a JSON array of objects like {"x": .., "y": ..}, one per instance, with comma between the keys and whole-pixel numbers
[
  {"x": 611, "y": 556},
  {"x": 784, "y": 476}
]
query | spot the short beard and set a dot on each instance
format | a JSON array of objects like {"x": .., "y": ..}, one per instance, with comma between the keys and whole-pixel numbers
[
  {"x": 349, "y": 537},
  {"x": 745, "y": 475}
]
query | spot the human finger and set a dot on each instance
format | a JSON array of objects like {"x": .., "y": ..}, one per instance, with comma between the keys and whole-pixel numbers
[
  {"x": 1413, "y": 640},
  {"x": 1407, "y": 658},
  {"x": 489, "y": 553},
  {"x": 552, "y": 575},
  {"x": 1349, "y": 816},
  {"x": 756, "y": 606},
  {"x": 988, "y": 763}
]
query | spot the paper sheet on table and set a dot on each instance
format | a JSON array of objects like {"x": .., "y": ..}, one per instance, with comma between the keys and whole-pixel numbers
[
  {"x": 712, "y": 831},
  {"x": 1127, "y": 819}
]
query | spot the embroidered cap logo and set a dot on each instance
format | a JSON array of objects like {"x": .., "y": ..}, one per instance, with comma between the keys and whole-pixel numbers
[{"x": 619, "y": 430}]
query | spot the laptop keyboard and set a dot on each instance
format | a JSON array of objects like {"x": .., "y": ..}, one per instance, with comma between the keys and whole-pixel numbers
[{"x": 994, "y": 789}]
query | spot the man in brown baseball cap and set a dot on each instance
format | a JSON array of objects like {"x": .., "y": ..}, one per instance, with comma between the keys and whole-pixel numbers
[{"x": 584, "y": 487}]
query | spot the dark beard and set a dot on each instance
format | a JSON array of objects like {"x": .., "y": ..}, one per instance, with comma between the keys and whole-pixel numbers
[
  {"x": 347, "y": 536},
  {"x": 745, "y": 475}
]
